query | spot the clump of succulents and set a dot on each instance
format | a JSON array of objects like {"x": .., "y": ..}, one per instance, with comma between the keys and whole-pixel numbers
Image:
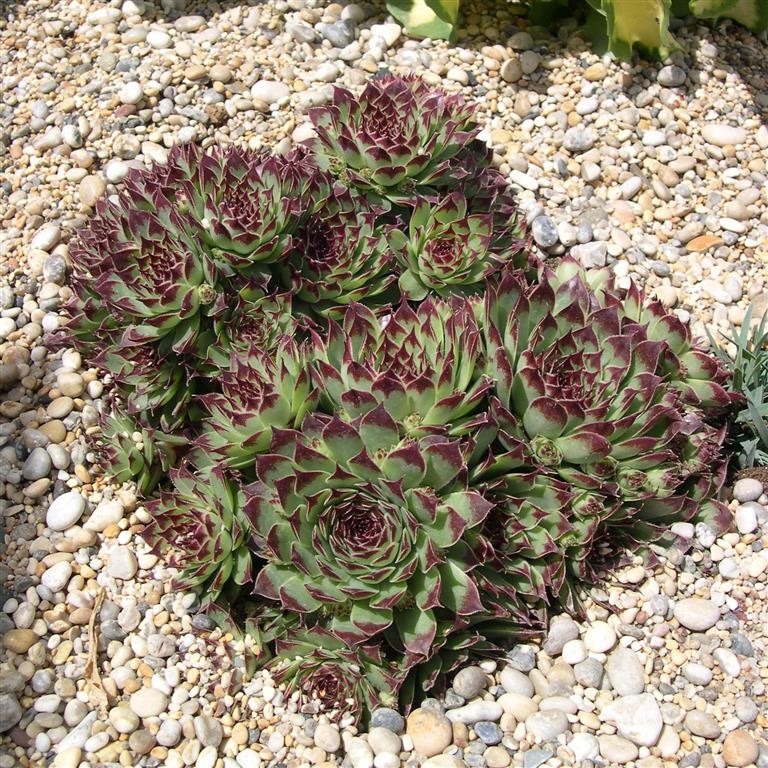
[{"x": 386, "y": 436}]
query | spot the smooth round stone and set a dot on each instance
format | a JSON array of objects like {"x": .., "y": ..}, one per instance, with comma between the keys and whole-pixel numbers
[
  {"x": 385, "y": 717},
  {"x": 517, "y": 705},
  {"x": 702, "y": 724},
  {"x": 615, "y": 749},
  {"x": 122, "y": 563},
  {"x": 578, "y": 139},
  {"x": 625, "y": 672},
  {"x": 149, "y": 702},
  {"x": 37, "y": 465},
  {"x": 158, "y": 39},
  {"x": 208, "y": 730},
  {"x": 589, "y": 673},
  {"x": 746, "y": 518},
  {"x": 359, "y": 753},
  {"x": 727, "y": 661},
  {"x": 696, "y": 613},
  {"x": 96, "y": 742},
  {"x": 544, "y": 231},
  {"x": 59, "y": 456},
  {"x": 497, "y": 757},
  {"x": 747, "y": 489},
  {"x": 522, "y": 658},
  {"x": 10, "y": 712},
  {"x": 671, "y": 76},
  {"x": 142, "y": 741},
  {"x": 131, "y": 93},
  {"x": 514, "y": 681},
  {"x": 600, "y": 637},
  {"x": 430, "y": 731},
  {"x": 697, "y": 673},
  {"x": 562, "y": 629},
  {"x": 74, "y": 712},
  {"x": 469, "y": 682},
  {"x": 574, "y": 652},
  {"x": 584, "y": 746},
  {"x": 746, "y": 709},
  {"x": 60, "y": 408},
  {"x": 269, "y": 91},
  {"x": 68, "y": 758},
  {"x": 547, "y": 725},
  {"x": 489, "y": 733},
  {"x": 327, "y": 737},
  {"x": 638, "y": 718},
  {"x": 57, "y": 576},
  {"x": 382, "y": 740},
  {"x": 65, "y": 511},
  {"x": 722, "y": 135},
  {"x": 124, "y": 719},
  {"x": 19, "y": 640},
  {"x": 169, "y": 733},
  {"x": 740, "y": 749},
  {"x": 46, "y": 237},
  {"x": 70, "y": 384}
]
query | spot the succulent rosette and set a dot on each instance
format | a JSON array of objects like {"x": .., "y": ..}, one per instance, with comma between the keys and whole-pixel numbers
[
  {"x": 340, "y": 253},
  {"x": 199, "y": 529},
  {"x": 591, "y": 395},
  {"x": 262, "y": 390},
  {"x": 332, "y": 675},
  {"x": 398, "y": 136},
  {"x": 363, "y": 530},
  {"x": 449, "y": 250},
  {"x": 424, "y": 365}
]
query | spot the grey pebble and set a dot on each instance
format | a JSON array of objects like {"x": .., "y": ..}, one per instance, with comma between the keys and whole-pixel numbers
[
  {"x": 533, "y": 758},
  {"x": 489, "y": 733},
  {"x": 384, "y": 717},
  {"x": 589, "y": 673},
  {"x": 544, "y": 231}
]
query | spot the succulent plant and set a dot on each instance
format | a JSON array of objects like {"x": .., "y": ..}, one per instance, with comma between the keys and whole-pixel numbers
[
  {"x": 339, "y": 253},
  {"x": 199, "y": 529},
  {"x": 334, "y": 676},
  {"x": 261, "y": 391},
  {"x": 364, "y": 530},
  {"x": 450, "y": 250},
  {"x": 425, "y": 366},
  {"x": 397, "y": 137}
]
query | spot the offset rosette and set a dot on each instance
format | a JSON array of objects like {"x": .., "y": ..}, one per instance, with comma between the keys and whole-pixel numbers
[
  {"x": 450, "y": 250},
  {"x": 425, "y": 366},
  {"x": 199, "y": 529},
  {"x": 397, "y": 137},
  {"x": 364, "y": 531},
  {"x": 340, "y": 253},
  {"x": 262, "y": 390},
  {"x": 331, "y": 674}
]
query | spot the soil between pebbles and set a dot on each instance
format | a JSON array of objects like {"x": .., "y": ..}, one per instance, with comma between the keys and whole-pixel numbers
[{"x": 657, "y": 171}]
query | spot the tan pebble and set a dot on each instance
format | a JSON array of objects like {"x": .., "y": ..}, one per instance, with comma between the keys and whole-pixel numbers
[
  {"x": 497, "y": 757},
  {"x": 740, "y": 749},
  {"x": 112, "y": 531},
  {"x": 68, "y": 758},
  {"x": 54, "y": 430},
  {"x": 460, "y": 734},
  {"x": 595, "y": 72},
  {"x": 703, "y": 243},
  {"x": 19, "y": 640},
  {"x": 430, "y": 731},
  {"x": 83, "y": 475}
]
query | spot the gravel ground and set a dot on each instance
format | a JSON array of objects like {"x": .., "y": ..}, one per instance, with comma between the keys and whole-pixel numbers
[{"x": 658, "y": 171}]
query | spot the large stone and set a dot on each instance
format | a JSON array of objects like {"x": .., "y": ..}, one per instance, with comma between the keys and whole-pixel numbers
[
  {"x": 469, "y": 682},
  {"x": 269, "y": 91},
  {"x": 638, "y": 718},
  {"x": 615, "y": 749},
  {"x": 562, "y": 629},
  {"x": 10, "y": 712},
  {"x": 65, "y": 511},
  {"x": 702, "y": 724},
  {"x": 696, "y": 613},
  {"x": 429, "y": 730},
  {"x": 625, "y": 672},
  {"x": 722, "y": 135},
  {"x": 476, "y": 711},
  {"x": 514, "y": 681},
  {"x": 548, "y": 725},
  {"x": 740, "y": 749},
  {"x": 150, "y": 702}
]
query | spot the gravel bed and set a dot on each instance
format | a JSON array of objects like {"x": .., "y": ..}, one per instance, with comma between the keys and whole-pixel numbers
[{"x": 659, "y": 171}]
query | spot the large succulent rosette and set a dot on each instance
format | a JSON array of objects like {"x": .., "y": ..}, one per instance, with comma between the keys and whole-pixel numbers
[
  {"x": 424, "y": 366},
  {"x": 363, "y": 531},
  {"x": 199, "y": 529},
  {"x": 597, "y": 402},
  {"x": 397, "y": 137}
]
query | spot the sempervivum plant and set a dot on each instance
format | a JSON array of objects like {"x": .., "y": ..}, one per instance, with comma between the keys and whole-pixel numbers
[
  {"x": 398, "y": 137},
  {"x": 369, "y": 406},
  {"x": 364, "y": 531},
  {"x": 200, "y": 529}
]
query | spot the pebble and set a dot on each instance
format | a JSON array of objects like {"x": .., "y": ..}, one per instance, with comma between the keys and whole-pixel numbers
[
  {"x": 589, "y": 673},
  {"x": 131, "y": 93},
  {"x": 747, "y": 489},
  {"x": 746, "y": 518},
  {"x": 46, "y": 237},
  {"x": 517, "y": 705},
  {"x": 547, "y": 725},
  {"x": 625, "y": 672},
  {"x": 616, "y": 749},
  {"x": 746, "y": 709},
  {"x": 65, "y": 511},
  {"x": 476, "y": 711},
  {"x": 57, "y": 576},
  {"x": 696, "y": 673},
  {"x": 429, "y": 730},
  {"x": 469, "y": 682},
  {"x": 544, "y": 231},
  {"x": 727, "y": 661},
  {"x": 10, "y": 712},
  {"x": 122, "y": 563},
  {"x": 514, "y": 681},
  {"x": 600, "y": 637},
  {"x": 702, "y": 724},
  {"x": 574, "y": 652},
  {"x": 37, "y": 465},
  {"x": 638, "y": 718},
  {"x": 562, "y": 629},
  {"x": 696, "y": 613},
  {"x": 722, "y": 135},
  {"x": 740, "y": 749},
  {"x": 671, "y": 76},
  {"x": 169, "y": 734},
  {"x": 150, "y": 702},
  {"x": 208, "y": 730},
  {"x": 384, "y": 717},
  {"x": 124, "y": 719},
  {"x": 579, "y": 139},
  {"x": 269, "y": 91},
  {"x": 584, "y": 746},
  {"x": 359, "y": 753}
]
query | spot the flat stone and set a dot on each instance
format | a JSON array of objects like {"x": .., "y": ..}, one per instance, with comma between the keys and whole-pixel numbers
[
  {"x": 616, "y": 749},
  {"x": 625, "y": 672},
  {"x": 429, "y": 730},
  {"x": 533, "y": 758},
  {"x": 547, "y": 725},
  {"x": 697, "y": 673},
  {"x": 65, "y": 511},
  {"x": 722, "y": 135},
  {"x": 740, "y": 749},
  {"x": 702, "y": 724},
  {"x": 46, "y": 237},
  {"x": 150, "y": 702},
  {"x": 514, "y": 681},
  {"x": 19, "y": 640},
  {"x": 638, "y": 718},
  {"x": 269, "y": 91},
  {"x": 696, "y": 613}
]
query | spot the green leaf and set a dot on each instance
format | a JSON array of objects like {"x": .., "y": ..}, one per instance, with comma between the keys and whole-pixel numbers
[
  {"x": 427, "y": 18},
  {"x": 637, "y": 22},
  {"x": 417, "y": 630},
  {"x": 753, "y": 14}
]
